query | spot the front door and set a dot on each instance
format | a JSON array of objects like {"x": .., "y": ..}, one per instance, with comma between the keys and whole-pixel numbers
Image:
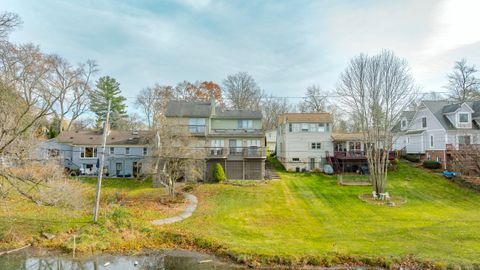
[{"x": 118, "y": 169}]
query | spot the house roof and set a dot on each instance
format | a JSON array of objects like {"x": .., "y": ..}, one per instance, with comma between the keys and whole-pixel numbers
[
  {"x": 305, "y": 117},
  {"x": 405, "y": 114},
  {"x": 180, "y": 108},
  {"x": 340, "y": 136},
  {"x": 439, "y": 108},
  {"x": 116, "y": 137}
]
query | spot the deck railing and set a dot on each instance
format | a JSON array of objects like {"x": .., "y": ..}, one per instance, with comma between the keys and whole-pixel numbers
[{"x": 247, "y": 152}]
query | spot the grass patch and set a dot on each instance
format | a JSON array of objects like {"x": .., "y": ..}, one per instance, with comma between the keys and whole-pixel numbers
[{"x": 309, "y": 215}]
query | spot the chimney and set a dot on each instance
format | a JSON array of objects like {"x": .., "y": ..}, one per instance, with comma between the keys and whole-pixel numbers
[{"x": 213, "y": 104}]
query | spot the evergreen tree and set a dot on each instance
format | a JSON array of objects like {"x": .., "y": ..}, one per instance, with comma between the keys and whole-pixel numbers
[{"x": 107, "y": 88}]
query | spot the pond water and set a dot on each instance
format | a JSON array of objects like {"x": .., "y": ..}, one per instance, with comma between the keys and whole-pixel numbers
[{"x": 164, "y": 260}]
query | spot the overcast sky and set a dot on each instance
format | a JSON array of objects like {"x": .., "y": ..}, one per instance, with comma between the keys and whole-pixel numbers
[{"x": 285, "y": 45}]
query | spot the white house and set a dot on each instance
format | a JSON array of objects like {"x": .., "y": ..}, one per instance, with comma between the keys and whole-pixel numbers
[
  {"x": 303, "y": 139},
  {"x": 271, "y": 140},
  {"x": 438, "y": 127}
]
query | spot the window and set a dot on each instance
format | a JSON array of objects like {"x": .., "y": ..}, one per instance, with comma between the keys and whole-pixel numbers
[
  {"x": 305, "y": 127},
  {"x": 327, "y": 127},
  {"x": 316, "y": 145},
  {"x": 404, "y": 123},
  {"x": 127, "y": 151},
  {"x": 290, "y": 128},
  {"x": 464, "y": 139},
  {"x": 321, "y": 127},
  {"x": 88, "y": 152},
  {"x": 313, "y": 127},
  {"x": 431, "y": 141},
  {"x": 112, "y": 150},
  {"x": 439, "y": 159},
  {"x": 296, "y": 127},
  {"x": 217, "y": 143},
  {"x": 255, "y": 143},
  {"x": 424, "y": 122},
  {"x": 145, "y": 151},
  {"x": 295, "y": 159},
  {"x": 245, "y": 124},
  {"x": 196, "y": 125},
  {"x": 53, "y": 152},
  {"x": 463, "y": 118}
]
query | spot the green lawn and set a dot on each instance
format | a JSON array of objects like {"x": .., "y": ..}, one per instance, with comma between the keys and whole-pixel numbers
[{"x": 310, "y": 215}]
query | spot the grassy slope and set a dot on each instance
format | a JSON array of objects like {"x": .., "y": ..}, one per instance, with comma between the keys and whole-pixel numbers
[
  {"x": 23, "y": 220},
  {"x": 312, "y": 215}
]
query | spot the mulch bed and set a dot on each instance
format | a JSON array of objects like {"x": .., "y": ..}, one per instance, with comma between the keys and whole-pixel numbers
[{"x": 394, "y": 201}]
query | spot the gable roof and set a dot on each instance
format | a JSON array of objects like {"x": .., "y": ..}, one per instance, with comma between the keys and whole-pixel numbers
[
  {"x": 180, "y": 108},
  {"x": 405, "y": 114},
  {"x": 439, "y": 108},
  {"x": 305, "y": 118},
  {"x": 116, "y": 137}
]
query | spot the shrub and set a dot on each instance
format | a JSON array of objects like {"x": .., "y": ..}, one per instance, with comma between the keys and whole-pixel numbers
[
  {"x": 412, "y": 158},
  {"x": 218, "y": 173},
  {"x": 431, "y": 164}
]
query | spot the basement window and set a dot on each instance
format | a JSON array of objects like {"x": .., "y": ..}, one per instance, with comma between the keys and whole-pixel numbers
[{"x": 295, "y": 159}]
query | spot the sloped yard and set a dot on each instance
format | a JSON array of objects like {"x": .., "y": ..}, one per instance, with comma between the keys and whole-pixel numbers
[{"x": 311, "y": 215}]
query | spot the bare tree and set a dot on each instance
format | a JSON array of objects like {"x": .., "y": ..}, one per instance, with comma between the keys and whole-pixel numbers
[
  {"x": 242, "y": 92},
  {"x": 272, "y": 107},
  {"x": 377, "y": 89},
  {"x": 179, "y": 156},
  {"x": 71, "y": 87},
  {"x": 8, "y": 22},
  {"x": 25, "y": 96},
  {"x": 316, "y": 100},
  {"x": 462, "y": 83},
  {"x": 153, "y": 102}
]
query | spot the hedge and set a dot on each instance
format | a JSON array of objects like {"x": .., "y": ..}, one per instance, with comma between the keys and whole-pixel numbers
[
  {"x": 431, "y": 164},
  {"x": 412, "y": 158}
]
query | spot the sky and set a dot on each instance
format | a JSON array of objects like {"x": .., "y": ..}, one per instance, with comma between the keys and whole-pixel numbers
[{"x": 285, "y": 45}]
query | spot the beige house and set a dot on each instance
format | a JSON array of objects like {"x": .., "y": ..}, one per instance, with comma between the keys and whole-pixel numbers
[
  {"x": 234, "y": 139},
  {"x": 303, "y": 140}
]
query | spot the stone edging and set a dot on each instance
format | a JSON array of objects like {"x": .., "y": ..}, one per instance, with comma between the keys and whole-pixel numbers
[{"x": 186, "y": 213}]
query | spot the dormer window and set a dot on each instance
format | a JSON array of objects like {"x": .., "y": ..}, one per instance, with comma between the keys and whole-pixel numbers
[
  {"x": 463, "y": 118},
  {"x": 404, "y": 123},
  {"x": 424, "y": 122}
]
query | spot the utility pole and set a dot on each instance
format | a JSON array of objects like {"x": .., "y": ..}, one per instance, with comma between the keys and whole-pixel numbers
[{"x": 100, "y": 169}]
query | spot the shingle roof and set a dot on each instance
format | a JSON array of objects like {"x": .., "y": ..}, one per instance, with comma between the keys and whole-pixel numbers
[
  {"x": 357, "y": 136},
  {"x": 116, "y": 137},
  {"x": 476, "y": 107},
  {"x": 439, "y": 108},
  {"x": 407, "y": 114},
  {"x": 305, "y": 117},
  {"x": 177, "y": 108}
]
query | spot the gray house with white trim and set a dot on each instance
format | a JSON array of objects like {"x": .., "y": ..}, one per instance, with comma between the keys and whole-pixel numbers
[
  {"x": 438, "y": 127},
  {"x": 126, "y": 152}
]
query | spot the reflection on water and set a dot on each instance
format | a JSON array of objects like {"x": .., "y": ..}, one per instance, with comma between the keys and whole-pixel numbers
[{"x": 168, "y": 260}]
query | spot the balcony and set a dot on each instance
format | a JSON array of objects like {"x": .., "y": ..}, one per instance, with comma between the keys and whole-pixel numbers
[
  {"x": 358, "y": 155},
  {"x": 236, "y": 152}
]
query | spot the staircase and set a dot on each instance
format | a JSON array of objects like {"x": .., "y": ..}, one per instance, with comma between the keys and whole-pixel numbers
[{"x": 270, "y": 172}]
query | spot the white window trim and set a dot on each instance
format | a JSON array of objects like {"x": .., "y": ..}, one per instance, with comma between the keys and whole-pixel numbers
[{"x": 82, "y": 150}]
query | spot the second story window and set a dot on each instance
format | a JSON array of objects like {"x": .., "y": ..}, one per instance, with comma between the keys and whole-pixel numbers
[
  {"x": 290, "y": 127},
  {"x": 424, "y": 122},
  {"x": 305, "y": 127},
  {"x": 245, "y": 124},
  {"x": 145, "y": 151},
  {"x": 196, "y": 125},
  {"x": 112, "y": 150},
  {"x": 463, "y": 118},
  {"x": 127, "y": 151},
  {"x": 88, "y": 152},
  {"x": 321, "y": 127},
  {"x": 404, "y": 123}
]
